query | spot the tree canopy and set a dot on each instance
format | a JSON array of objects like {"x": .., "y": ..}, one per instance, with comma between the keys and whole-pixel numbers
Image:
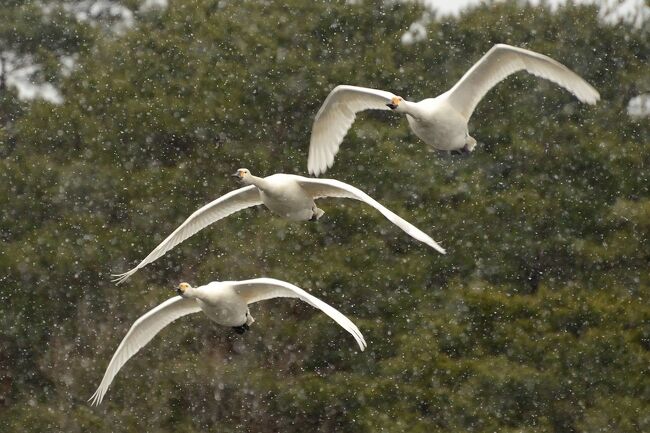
[{"x": 537, "y": 319}]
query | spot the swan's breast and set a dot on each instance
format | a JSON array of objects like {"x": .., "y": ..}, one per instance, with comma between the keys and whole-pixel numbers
[
  {"x": 285, "y": 197},
  {"x": 226, "y": 309},
  {"x": 439, "y": 125}
]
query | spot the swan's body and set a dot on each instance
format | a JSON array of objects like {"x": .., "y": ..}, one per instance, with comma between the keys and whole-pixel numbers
[
  {"x": 440, "y": 122},
  {"x": 437, "y": 125},
  {"x": 225, "y": 303},
  {"x": 287, "y": 195}
]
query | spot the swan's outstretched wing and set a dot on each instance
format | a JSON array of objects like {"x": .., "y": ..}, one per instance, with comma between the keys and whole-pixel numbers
[
  {"x": 503, "y": 60},
  {"x": 260, "y": 289},
  {"x": 214, "y": 211},
  {"x": 335, "y": 117},
  {"x": 334, "y": 188},
  {"x": 142, "y": 331}
]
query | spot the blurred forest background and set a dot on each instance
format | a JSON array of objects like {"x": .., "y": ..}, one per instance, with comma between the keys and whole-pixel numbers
[{"x": 537, "y": 319}]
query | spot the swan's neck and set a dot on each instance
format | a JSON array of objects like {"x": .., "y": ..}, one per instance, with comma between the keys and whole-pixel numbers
[
  {"x": 411, "y": 108},
  {"x": 203, "y": 295},
  {"x": 192, "y": 293},
  {"x": 259, "y": 182}
]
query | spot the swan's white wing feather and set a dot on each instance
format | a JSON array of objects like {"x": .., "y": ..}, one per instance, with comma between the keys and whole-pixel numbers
[
  {"x": 260, "y": 289},
  {"x": 334, "y": 188},
  {"x": 214, "y": 211},
  {"x": 335, "y": 117},
  {"x": 503, "y": 60},
  {"x": 142, "y": 331}
]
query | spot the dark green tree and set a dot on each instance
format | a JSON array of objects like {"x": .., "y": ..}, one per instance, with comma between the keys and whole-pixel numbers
[{"x": 536, "y": 320}]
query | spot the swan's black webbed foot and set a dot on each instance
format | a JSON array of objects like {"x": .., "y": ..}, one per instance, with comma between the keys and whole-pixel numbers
[
  {"x": 241, "y": 329},
  {"x": 465, "y": 150}
]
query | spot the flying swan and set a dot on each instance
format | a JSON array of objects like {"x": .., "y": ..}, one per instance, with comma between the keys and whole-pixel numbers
[
  {"x": 440, "y": 122},
  {"x": 224, "y": 302},
  {"x": 287, "y": 195}
]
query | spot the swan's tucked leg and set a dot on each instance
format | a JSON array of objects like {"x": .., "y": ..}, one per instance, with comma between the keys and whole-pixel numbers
[
  {"x": 470, "y": 144},
  {"x": 317, "y": 213},
  {"x": 241, "y": 329}
]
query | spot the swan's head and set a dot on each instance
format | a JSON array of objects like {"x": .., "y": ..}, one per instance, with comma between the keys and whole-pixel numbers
[
  {"x": 244, "y": 175},
  {"x": 183, "y": 288},
  {"x": 394, "y": 102}
]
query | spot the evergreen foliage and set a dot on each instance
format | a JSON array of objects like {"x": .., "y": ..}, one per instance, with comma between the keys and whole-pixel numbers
[{"x": 537, "y": 319}]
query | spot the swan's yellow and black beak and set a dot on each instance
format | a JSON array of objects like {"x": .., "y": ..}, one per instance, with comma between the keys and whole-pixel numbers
[
  {"x": 237, "y": 175},
  {"x": 394, "y": 102},
  {"x": 182, "y": 288}
]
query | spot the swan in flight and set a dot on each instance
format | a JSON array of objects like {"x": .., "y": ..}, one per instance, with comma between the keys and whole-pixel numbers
[
  {"x": 224, "y": 302},
  {"x": 440, "y": 122},
  {"x": 287, "y": 195}
]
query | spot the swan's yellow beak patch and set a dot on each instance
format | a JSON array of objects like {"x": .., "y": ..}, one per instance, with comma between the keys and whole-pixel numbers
[{"x": 396, "y": 100}]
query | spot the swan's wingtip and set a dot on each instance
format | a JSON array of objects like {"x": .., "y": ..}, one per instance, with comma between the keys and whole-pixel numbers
[
  {"x": 120, "y": 278},
  {"x": 316, "y": 171},
  {"x": 95, "y": 399},
  {"x": 437, "y": 247},
  {"x": 591, "y": 96}
]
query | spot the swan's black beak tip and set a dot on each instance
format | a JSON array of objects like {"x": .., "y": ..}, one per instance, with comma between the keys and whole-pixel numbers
[{"x": 391, "y": 106}]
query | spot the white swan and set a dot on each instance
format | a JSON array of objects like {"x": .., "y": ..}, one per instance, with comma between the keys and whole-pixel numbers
[
  {"x": 287, "y": 195},
  {"x": 440, "y": 122},
  {"x": 225, "y": 303}
]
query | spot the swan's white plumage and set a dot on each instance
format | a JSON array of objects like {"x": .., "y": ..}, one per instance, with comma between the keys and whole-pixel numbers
[
  {"x": 335, "y": 117},
  {"x": 208, "y": 299},
  {"x": 288, "y": 195},
  {"x": 142, "y": 331},
  {"x": 333, "y": 188},
  {"x": 214, "y": 211},
  {"x": 261, "y": 289},
  {"x": 433, "y": 119},
  {"x": 503, "y": 60}
]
